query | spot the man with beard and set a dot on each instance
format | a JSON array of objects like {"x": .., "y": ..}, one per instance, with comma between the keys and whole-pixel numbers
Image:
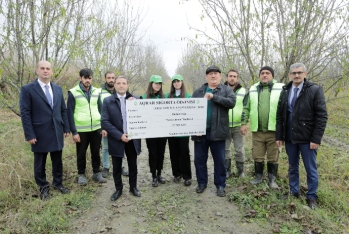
[
  {"x": 232, "y": 80},
  {"x": 107, "y": 90},
  {"x": 85, "y": 125},
  {"x": 260, "y": 107}
]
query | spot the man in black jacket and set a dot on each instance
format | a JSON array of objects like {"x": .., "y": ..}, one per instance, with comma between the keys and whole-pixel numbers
[
  {"x": 300, "y": 122},
  {"x": 220, "y": 99}
]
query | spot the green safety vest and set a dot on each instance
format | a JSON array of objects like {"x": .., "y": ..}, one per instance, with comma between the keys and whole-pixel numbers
[
  {"x": 237, "y": 110},
  {"x": 86, "y": 114},
  {"x": 274, "y": 99},
  {"x": 104, "y": 93}
]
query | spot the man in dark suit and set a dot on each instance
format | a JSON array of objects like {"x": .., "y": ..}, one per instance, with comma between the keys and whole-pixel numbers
[
  {"x": 114, "y": 121},
  {"x": 45, "y": 122},
  {"x": 300, "y": 123}
]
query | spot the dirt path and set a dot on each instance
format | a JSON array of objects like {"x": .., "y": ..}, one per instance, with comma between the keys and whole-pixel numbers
[{"x": 169, "y": 208}]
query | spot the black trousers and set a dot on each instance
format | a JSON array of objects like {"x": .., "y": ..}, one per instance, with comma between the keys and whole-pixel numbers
[
  {"x": 40, "y": 168},
  {"x": 94, "y": 140},
  {"x": 156, "y": 149},
  {"x": 131, "y": 155},
  {"x": 180, "y": 157}
]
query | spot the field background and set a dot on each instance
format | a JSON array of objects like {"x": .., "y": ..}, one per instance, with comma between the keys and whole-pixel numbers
[{"x": 22, "y": 212}]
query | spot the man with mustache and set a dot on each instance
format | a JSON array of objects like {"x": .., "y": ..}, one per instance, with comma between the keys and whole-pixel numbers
[{"x": 85, "y": 125}]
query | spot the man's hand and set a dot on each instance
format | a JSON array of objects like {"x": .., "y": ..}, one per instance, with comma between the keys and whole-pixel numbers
[
  {"x": 314, "y": 145},
  {"x": 76, "y": 138},
  {"x": 104, "y": 133},
  {"x": 66, "y": 134},
  {"x": 32, "y": 141},
  {"x": 125, "y": 138},
  {"x": 243, "y": 129},
  {"x": 279, "y": 143},
  {"x": 209, "y": 96},
  {"x": 131, "y": 98}
]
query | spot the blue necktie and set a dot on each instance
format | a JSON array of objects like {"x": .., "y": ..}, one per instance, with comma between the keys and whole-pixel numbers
[
  {"x": 123, "y": 111},
  {"x": 295, "y": 90},
  {"x": 48, "y": 95}
]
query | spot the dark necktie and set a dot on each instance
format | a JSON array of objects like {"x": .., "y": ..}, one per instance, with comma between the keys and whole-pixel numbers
[
  {"x": 48, "y": 95},
  {"x": 295, "y": 90},
  {"x": 123, "y": 111}
]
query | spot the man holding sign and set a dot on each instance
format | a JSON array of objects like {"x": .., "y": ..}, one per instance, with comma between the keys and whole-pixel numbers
[
  {"x": 220, "y": 99},
  {"x": 114, "y": 121}
]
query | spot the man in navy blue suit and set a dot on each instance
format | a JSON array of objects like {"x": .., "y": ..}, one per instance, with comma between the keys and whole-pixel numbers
[
  {"x": 45, "y": 122},
  {"x": 114, "y": 121}
]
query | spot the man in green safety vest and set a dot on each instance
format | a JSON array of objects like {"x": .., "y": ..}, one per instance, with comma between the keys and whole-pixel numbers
[
  {"x": 85, "y": 125},
  {"x": 232, "y": 80},
  {"x": 260, "y": 107},
  {"x": 107, "y": 90}
]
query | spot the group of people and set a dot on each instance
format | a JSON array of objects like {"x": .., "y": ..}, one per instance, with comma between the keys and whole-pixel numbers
[{"x": 294, "y": 113}]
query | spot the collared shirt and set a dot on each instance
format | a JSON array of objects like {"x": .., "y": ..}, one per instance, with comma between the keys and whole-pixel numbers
[
  {"x": 42, "y": 85},
  {"x": 87, "y": 93},
  {"x": 121, "y": 96},
  {"x": 292, "y": 92}
]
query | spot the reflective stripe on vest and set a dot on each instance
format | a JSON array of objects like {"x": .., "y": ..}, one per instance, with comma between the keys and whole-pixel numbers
[
  {"x": 236, "y": 112},
  {"x": 104, "y": 93},
  {"x": 274, "y": 99},
  {"x": 86, "y": 114}
]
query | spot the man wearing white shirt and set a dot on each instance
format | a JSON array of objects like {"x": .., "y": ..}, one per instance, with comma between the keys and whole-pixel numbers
[
  {"x": 114, "y": 121},
  {"x": 45, "y": 122}
]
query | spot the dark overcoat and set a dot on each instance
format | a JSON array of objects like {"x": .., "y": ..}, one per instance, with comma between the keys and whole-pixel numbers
[
  {"x": 111, "y": 122},
  {"x": 42, "y": 122}
]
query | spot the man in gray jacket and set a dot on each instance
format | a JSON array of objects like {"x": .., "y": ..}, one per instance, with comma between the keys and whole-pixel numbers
[{"x": 220, "y": 99}]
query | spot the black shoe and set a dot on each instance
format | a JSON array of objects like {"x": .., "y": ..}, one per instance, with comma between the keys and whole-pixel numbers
[
  {"x": 123, "y": 172},
  {"x": 116, "y": 195},
  {"x": 187, "y": 182},
  {"x": 177, "y": 179},
  {"x": 105, "y": 172},
  {"x": 220, "y": 192},
  {"x": 155, "y": 182},
  {"x": 62, "y": 189},
  {"x": 45, "y": 193},
  {"x": 312, "y": 203},
  {"x": 162, "y": 180},
  {"x": 135, "y": 192},
  {"x": 200, "y": 188}
]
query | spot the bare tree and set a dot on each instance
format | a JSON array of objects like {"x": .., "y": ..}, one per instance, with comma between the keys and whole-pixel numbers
[
  {"x": 277, "y": 33},
  {"x": 34, "y": 31}
]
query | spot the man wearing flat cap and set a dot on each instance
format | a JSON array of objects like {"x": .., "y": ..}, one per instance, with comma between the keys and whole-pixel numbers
[
  {"x": 260, "y": 107},
  {"x": 220, "y": 98}
]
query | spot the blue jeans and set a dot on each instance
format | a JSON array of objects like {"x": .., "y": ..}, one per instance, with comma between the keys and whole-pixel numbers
[
  {"x": 200, "y": 160},
  {"x": 105, "y": 153},
  {"x": 309, "y": 160}
]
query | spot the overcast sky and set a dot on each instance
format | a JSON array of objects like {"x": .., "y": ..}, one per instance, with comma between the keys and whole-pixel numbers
[{"x": 168, "y": 22}]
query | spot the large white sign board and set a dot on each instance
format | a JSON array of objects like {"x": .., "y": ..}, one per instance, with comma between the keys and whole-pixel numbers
[{"x": 150, "y": 118}]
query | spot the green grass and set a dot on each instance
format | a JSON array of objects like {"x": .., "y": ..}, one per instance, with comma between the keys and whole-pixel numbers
[
  {"x": 20, "y": 209},
  {"x": 261, "y": 203},
  {"x": 22, "y": 212}
]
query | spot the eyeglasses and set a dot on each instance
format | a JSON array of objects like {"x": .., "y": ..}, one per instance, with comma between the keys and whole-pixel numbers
[{"x": 296, "y": 73}]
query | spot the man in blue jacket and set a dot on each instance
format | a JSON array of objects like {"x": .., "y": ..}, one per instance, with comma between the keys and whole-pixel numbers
[
  {"x": 45, "y": 122},
  {"x": 114, "y": 121}
]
